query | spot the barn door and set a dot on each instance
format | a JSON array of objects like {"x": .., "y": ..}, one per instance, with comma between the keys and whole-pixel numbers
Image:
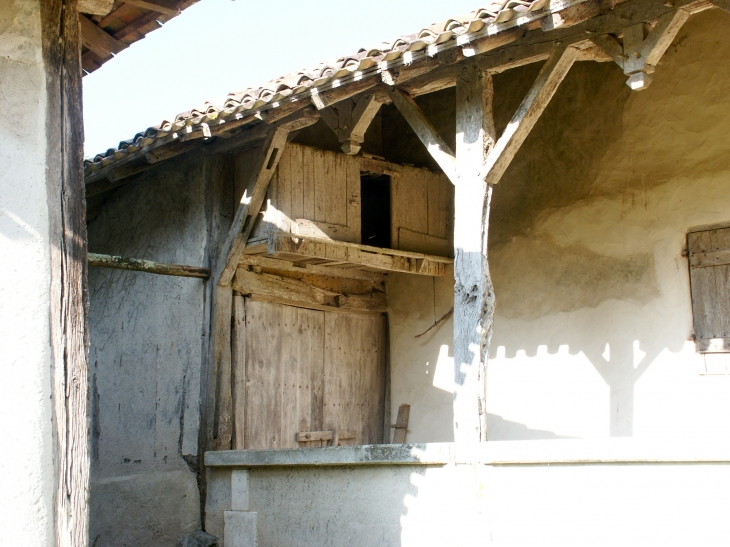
[{"x": 309, "y": 370}]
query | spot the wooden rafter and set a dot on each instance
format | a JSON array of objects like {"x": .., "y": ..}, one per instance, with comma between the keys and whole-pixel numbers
[
  {"x": 98, "y": 40},
  {"x": 533, "y": 105},
  {"x": 168, "y": 7},
  {"x": 351, "y": 119},
  {"x": 426, "y": 132}
]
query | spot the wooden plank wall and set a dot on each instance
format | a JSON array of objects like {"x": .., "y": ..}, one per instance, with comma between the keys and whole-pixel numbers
[
  {"x": 324, "y": 188},
  {"x": 308, "y": 370},
  {"x": 422, "y": 205}
]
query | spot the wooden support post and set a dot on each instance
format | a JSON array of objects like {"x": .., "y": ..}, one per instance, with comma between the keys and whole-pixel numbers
[
  {"x": 473, "y": 291},
  {"x": 350, "y": 121},
  {"x": 553, "y": 72}
]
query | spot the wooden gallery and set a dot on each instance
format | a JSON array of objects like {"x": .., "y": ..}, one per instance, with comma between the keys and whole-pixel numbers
[{"x": 510, "y": 227}]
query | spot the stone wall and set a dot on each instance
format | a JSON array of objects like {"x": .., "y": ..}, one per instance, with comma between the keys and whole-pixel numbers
[{"x": 593, "y": 321}]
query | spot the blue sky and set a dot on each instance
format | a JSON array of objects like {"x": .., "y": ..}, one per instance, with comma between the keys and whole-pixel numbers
[{"x": 219, "y": 46}]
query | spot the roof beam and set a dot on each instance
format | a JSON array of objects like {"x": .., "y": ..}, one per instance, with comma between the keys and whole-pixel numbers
[
  {"x": 168, "y": 7},
  {"x": 95, "y": 7},
  {"x": 533, "y": 105},
  {"x": 97, "y": 39},
  {"x": 426, "y": 132}
]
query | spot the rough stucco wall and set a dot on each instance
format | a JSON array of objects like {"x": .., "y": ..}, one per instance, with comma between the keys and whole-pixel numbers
[
  {"x": 26, "y": 443},
  {"x": 146, "y": 353},
  {"x": 588, "y": 227},
  {"x": 410, "y": 506}
]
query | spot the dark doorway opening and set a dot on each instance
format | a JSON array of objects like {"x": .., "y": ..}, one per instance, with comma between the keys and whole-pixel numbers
[{"x": 375, "y": 219}]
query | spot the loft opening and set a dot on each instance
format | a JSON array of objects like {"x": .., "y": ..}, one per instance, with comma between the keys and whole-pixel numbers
[{"x": 375, "y": 210}]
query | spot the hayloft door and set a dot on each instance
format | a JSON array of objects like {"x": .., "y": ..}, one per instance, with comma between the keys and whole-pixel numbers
[{"x": 310, "y": 370}]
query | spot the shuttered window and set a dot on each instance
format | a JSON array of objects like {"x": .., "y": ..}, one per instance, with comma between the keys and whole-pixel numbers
[{"x": 709, "y": 266}]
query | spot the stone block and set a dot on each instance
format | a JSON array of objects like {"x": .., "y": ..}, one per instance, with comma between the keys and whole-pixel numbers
[
  {"x": 239, "y": 490},
  {"x": 240, "y": 529}
]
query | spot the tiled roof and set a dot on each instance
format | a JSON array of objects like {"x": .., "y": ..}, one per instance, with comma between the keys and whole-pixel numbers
[
  {"x": 127, "y": 22},
  {"x": 429, "y": 41}
]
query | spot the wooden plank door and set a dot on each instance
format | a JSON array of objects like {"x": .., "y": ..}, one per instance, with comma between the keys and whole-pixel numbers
[{"x": 309, "y": 370}]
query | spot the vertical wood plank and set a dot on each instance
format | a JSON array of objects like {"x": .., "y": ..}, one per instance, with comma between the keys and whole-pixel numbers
[
  {"x": 238, "y": 370},
  {"x": 309, "y": 193},
  {"x": 317, "y": 370},
  {"x": 440, "y": 206},
  {"x": 340, "y": 189},
  {"x": 223, "y": 424},
  {"x": 703, "y": 288},
  {"x": 291, "y": 342},
  {"x": 284, "y": 188},
  {"x": 721, "y": 242},
  {"x": 329, "y": 178},
  {"x": 297, "y": 181},
  {"x": 354, "y": 201},
  {"x": 263, "y": 382},
  {"x": 320, "y": 186}
]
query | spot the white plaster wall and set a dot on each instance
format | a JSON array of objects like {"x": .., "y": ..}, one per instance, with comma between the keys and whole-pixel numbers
[
  {"x": 147, "y": 338},
  {"x": 465, "y": 505},
  {"x": 593, "y": 306},
  {"x": 26, "y": 464}
]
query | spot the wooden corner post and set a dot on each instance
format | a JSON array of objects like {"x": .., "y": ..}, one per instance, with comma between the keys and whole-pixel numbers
[{"x": 473, "y": 290}]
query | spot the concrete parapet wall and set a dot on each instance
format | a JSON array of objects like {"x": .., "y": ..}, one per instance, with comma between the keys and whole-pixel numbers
[{"x": 483, "y": 494}]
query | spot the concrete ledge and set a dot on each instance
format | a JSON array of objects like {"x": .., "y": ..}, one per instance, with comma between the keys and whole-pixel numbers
[{"x": 568, "y": 452}]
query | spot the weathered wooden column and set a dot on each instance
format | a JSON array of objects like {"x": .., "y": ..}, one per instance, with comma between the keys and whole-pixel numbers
[{"x": 473, "y": 290}]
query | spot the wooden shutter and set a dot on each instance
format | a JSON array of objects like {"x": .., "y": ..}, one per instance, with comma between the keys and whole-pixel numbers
[{"x": 709, "y": 261}]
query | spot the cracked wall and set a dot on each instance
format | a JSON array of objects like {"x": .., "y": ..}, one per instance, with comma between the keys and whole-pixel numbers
[{"x": 147, "y": 347}]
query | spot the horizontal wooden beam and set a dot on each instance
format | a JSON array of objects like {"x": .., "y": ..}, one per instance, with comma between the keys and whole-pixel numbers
[
  {"x": 286, "y": 288},
  {"x": 705, "y": 259},
  {"x": 168, "y": 7},
  {"x": 295, "y": 247},
  {"x": 141, "y": 265},
  {"x": 312, "y": 269}
]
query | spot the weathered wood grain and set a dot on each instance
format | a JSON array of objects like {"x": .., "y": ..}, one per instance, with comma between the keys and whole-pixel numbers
[
  {"x": 709, "y": 258},
  {"x": 425, "y": 131},
  {"x": 67, "y": 284},
  {"x": 250, "y": 205},
  {"x": 401, "y": 424},
  {"x": 529, "y": 111},
  {"x": 238, "y": 372},
  {"x": 473, "y": 290},
  {"x": 140, "y": 265}
]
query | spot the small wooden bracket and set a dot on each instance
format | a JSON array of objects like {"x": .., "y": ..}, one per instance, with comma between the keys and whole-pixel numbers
[
  {"x": 323, "y": 437},
  {"x": 350, "y": 119},
  {"x": 642, "y": 47},
  {"x": 401, "y": 424}
]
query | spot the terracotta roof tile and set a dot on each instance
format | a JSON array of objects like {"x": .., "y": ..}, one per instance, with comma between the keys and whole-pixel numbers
[{"x": 492, "y": 19}]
